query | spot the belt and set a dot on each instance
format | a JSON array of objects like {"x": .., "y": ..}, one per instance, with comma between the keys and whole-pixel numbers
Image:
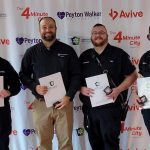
[{"x": 40, "y": 99}]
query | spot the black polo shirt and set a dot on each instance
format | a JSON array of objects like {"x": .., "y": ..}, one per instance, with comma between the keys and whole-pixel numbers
[
  {"x": 113, "y": 60},
  {"x": 11, "y": 80},
  {"x": 144, "y": 65},
  {"x": 39, "y": 61}
]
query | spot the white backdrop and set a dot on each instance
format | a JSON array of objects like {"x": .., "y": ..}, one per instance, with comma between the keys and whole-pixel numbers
[{"x": 128, "y": 26}]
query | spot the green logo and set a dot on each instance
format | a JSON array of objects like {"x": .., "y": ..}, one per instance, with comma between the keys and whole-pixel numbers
[{"x": 75, "y": 40}]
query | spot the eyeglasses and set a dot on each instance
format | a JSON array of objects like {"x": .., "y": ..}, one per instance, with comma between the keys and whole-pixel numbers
[{"x": 98, "y": 33}]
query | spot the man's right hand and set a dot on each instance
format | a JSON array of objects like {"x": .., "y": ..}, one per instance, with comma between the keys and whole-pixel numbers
[
  {"x": 41, "y": 90},
  {"x": 4, "y": 93},
  {"x": 86, "y": 91}
]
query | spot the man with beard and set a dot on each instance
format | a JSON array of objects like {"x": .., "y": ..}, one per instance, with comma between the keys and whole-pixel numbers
[
  {"x": 46, "y": 58},
  {"x": 103, "y": 122}
]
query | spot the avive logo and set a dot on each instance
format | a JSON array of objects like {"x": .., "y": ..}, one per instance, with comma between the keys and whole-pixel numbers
[
  {"x": 125, "y": 14},
  {"x": 113, "y": 14},
  {"x": 135, "y": 61},
  {"x": 14, "y": 132},
  {"x": 4, "y": 41}
]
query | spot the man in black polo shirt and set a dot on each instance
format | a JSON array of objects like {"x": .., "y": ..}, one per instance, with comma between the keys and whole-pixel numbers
[
  {"x": 11, "y": 85},
  {"x": 43, "y": 59},
  {"x": 103, "y": 122},
  {"x": 144, "y": 70}
]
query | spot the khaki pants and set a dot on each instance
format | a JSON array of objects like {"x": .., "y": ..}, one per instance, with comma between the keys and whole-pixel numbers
[{"x": 45, "y": 119}]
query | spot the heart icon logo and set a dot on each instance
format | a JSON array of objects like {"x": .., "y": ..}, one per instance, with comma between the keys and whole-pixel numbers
[
  {"x": 19, "y": 40},
  {"x": 61, "y": 15},
  {"x": 26, "y": 132}
]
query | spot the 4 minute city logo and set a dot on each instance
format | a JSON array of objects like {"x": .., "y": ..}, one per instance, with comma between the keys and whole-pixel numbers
[{"x": 29, "y": 13}]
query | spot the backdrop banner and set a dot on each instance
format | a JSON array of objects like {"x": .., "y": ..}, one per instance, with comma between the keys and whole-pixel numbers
[{"x": 128, "y": 24}]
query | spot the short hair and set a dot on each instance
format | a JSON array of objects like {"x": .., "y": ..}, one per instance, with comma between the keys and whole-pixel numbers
[
  {"x": 47, "y": 18},
  {"x": 99, "y": 25}
]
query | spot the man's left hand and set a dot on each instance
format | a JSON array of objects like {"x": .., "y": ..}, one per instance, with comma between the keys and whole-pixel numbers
[
  {"x": 114, "y": 94},
  {"x": 64, "y": 102}
]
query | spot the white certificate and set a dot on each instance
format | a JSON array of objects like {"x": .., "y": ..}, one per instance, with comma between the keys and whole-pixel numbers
[
  {"x": 143, "y": 88},
  {"x": 98, "y": 83},
  {"x": 1, "y": 88},
  {"x": 56, "y": 88}
]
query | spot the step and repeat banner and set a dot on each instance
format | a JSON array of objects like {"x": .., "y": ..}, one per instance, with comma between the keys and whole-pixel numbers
[{"x": 128, "y": 27}]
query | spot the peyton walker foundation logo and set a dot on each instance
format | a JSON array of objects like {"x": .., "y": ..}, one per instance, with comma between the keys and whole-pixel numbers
[{"x": 72, "y": 15}]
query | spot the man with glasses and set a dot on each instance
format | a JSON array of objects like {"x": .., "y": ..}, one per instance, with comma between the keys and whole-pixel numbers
[{"x": 103, "y": 122}]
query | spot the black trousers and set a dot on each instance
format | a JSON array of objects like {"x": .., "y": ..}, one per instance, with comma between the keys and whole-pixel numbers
[
  {"x": 103, "y": 127},
  {"x": 4, "y": 143},
  {"x": 5, "y": 127},
  {"x": 146, "y": 117}
]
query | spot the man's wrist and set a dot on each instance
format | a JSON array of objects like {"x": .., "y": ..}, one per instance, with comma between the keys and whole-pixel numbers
[
  {"x": 119, "y": 90},
  {"x": 68, "y": 98}
]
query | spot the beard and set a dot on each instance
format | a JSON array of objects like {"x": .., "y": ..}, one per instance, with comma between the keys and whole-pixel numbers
[
  {"x": 102, "y": 43},
  {"x": 49, "y": 37}
]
